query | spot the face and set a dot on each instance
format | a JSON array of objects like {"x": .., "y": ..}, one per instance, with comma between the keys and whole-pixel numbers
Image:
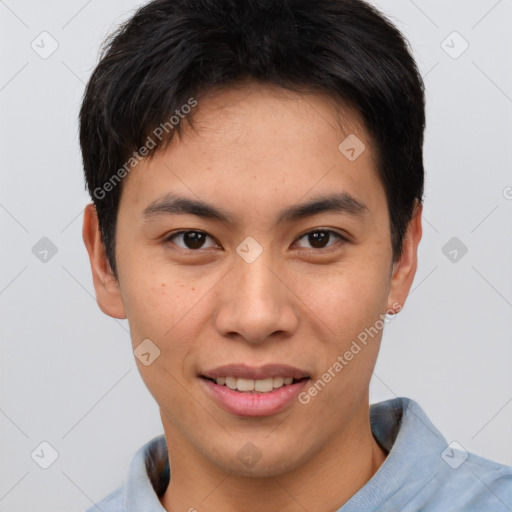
[{"x": 253, "y": 251}]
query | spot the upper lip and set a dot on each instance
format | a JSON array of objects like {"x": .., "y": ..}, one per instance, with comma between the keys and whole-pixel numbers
[{"x": 256, "y": 373}]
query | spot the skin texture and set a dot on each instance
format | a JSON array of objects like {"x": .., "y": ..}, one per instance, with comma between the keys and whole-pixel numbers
[{"x": 254, "y": 151}]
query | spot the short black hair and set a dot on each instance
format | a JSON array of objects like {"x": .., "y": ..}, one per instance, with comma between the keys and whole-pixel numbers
[{"x": 171, "y": 52}]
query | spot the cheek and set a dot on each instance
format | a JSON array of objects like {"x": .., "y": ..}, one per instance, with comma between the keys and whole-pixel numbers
[
  {"x": 347, "y": 326},
  {"x": 347, "y": 300},
  {"x": 145, "y": 300},
  {"x": 156, "y": 307},
  {"x": 163, "y": 312},
  {"x": 168, "y": 308}
]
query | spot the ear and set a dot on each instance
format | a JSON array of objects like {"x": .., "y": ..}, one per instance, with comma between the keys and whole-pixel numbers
[
  {"x": 404, "y": 269},
  {"x": 108, "y": 294}
]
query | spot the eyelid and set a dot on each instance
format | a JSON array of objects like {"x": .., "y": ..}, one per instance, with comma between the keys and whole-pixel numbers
[
  {"x": 341, "y": 237},
  {"x": 324, "y": 229},
  {"x": 170, "y": 236}
]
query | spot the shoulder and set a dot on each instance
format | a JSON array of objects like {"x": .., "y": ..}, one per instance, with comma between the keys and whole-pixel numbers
[
  {"x": 463, "y": 480},
  {"x": 148, "y": 477},
  {"x": 477, "y": 484},
  {"x": 114, "y": 502},
  {"x": 425, "y": 472}
]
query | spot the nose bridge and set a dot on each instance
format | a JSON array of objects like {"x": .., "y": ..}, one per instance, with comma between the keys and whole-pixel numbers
[
  {"x": 257, "y": 282},
  {"x": 255, "y": 303}
]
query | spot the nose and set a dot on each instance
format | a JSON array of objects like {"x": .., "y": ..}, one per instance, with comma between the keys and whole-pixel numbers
[{"x": 256, "y": 302}]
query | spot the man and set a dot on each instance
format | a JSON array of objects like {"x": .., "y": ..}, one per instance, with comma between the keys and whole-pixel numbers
[{"x": 257, "y": 177}]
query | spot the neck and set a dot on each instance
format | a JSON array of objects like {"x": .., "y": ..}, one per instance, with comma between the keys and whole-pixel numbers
[{"x": 324, "y": 483}]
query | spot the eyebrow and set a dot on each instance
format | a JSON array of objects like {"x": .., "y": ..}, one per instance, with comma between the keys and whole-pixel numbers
[{"x": 177, "y": 205}]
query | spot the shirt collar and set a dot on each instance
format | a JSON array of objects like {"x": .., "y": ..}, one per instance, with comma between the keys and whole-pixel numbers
[
  {"x": 399, "y": 425},
  {"x": 414, "y": 448},
  {"x": 148, "y": 477}
]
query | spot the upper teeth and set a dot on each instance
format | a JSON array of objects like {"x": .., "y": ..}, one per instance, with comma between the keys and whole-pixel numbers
[{"x": 261, "y": 385}]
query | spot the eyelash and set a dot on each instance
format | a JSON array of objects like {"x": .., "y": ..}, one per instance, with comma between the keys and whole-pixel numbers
[{"x": 330, "y": 232}]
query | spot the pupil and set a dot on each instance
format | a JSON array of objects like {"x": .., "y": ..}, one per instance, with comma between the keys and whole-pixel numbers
[
  {"x": 318, "y": 239},
  {"x": 193, "y": 239}
]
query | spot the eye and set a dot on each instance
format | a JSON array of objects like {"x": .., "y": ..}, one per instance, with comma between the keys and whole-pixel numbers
[
  {"x": 320, "y": 238},
  {"x": 191, "y": 240}
]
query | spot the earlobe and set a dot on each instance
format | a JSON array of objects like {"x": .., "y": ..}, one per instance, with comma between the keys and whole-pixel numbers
[
  {"x": 404, "y": 269},
  {"x": 106, "y": 286}
]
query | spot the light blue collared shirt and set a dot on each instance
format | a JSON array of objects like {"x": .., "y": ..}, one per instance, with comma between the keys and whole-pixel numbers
[{"x": 420, "y": 474}]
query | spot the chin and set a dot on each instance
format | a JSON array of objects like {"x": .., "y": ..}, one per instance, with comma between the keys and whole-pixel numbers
[{"x": 254, "y": 462}]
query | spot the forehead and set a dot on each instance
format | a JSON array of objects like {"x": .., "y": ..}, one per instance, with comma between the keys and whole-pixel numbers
[
  {"x": 272, "y": 110},
  {"x": 260, "y": 145}
]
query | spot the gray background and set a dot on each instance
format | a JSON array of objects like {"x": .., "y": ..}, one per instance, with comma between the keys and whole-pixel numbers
[{"x": 68, "y": 374}]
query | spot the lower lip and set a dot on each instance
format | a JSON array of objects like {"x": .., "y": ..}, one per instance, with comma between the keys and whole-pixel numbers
[{"x": 254, "y": 404}]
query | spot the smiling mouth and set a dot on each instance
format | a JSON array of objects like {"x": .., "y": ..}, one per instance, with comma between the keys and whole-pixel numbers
[{"x": 255, "y": 386}]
